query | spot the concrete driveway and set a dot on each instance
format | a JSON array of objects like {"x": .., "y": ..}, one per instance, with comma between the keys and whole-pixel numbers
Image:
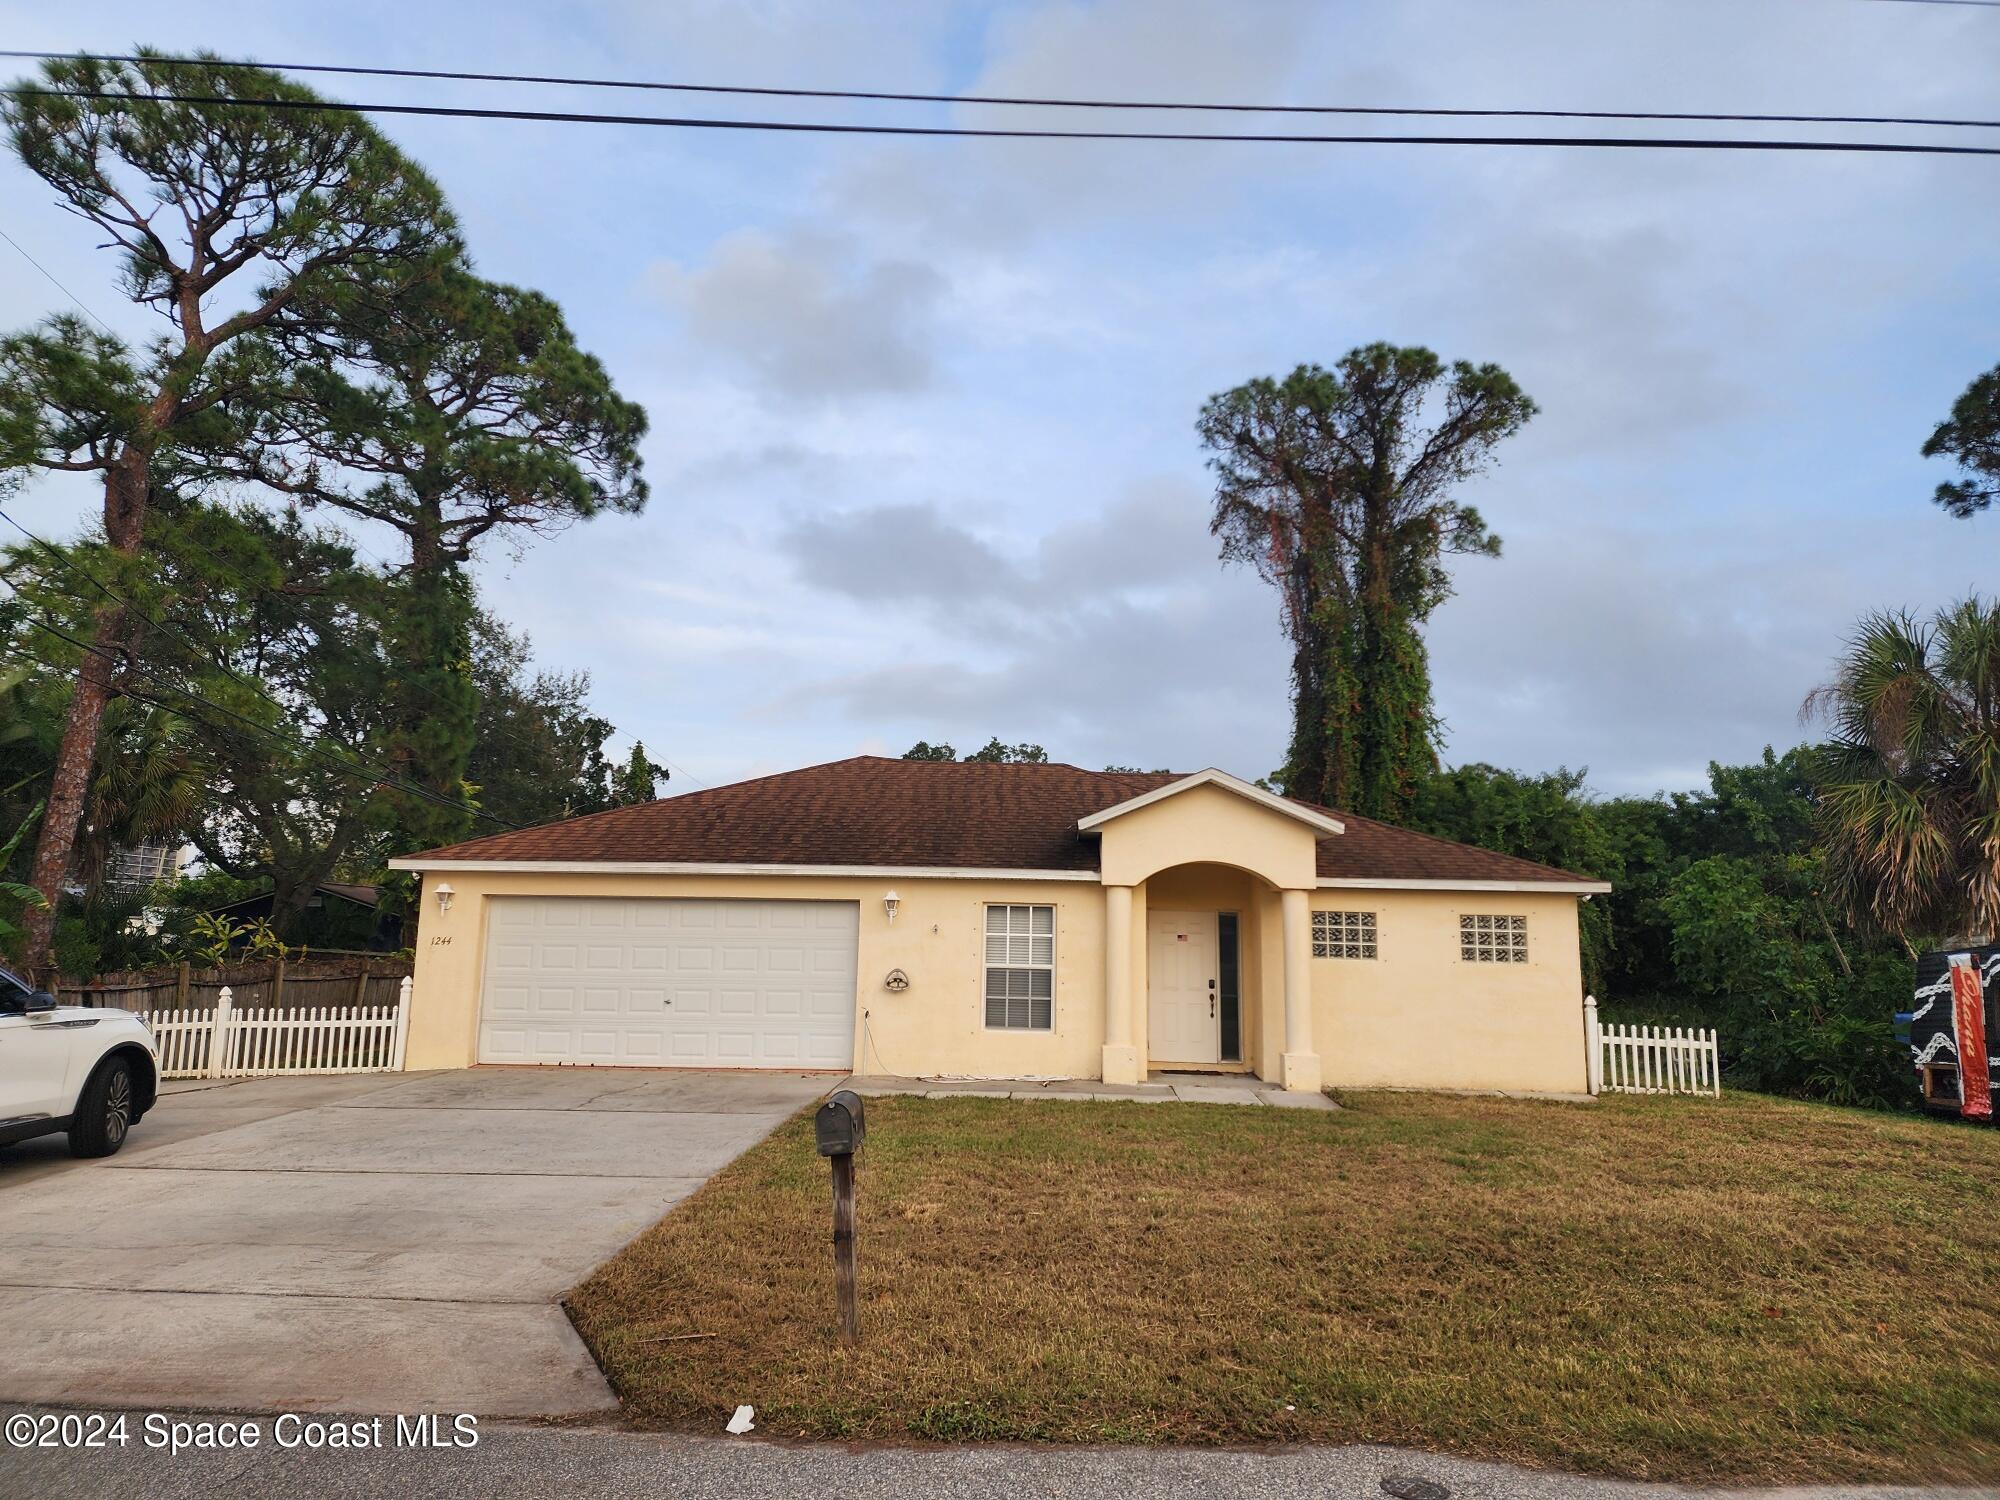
[{"x": 358, "y": 1244}]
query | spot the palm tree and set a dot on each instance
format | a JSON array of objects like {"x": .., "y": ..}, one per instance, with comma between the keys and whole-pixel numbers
[
  {"x": 15, "y": 896},
  {"x": 1909, "y": 784},
  {"x": 149, "y": 784}
]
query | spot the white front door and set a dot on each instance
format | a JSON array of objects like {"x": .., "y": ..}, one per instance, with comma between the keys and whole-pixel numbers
[{"x": 1183, "y": 1003}]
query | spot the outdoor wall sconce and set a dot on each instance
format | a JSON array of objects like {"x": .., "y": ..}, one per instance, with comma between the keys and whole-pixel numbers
[
  {"x": 444, "y": 894},
  {"x": 889, "y": 904}
]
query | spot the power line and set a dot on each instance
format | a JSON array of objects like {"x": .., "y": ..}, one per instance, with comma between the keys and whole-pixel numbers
[
  {"x": 91, "y": 313},
  {"x": 51, "y": 276},
  {"x": 802, "y": 127},
  {"x": 884, "y": 96}
]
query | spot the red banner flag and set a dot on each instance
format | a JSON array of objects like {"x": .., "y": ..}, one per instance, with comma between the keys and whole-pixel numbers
[{"x": 1968, "y": 1025}]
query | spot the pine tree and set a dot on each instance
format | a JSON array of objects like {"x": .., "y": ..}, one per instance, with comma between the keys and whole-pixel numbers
[{"x": 211, "y": 207}]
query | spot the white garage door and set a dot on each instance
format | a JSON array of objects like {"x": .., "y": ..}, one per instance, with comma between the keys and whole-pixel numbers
[{"x": 668, "y": 983}]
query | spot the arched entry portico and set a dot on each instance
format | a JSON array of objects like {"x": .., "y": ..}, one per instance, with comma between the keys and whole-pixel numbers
[{"x": 1203, "y": 848}]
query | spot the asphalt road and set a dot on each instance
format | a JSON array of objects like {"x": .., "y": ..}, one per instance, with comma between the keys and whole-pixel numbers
[{"x": 552, "y": 1461}]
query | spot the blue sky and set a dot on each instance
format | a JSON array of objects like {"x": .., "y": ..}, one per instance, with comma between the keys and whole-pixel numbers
[{"x": 923, "y": 461}]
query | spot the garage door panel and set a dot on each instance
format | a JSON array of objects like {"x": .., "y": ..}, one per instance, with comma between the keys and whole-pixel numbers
[
  {"x": 713, "y": 983},
  {"x": 554, "y": 999},
  {"x": 507, "y": 999}
]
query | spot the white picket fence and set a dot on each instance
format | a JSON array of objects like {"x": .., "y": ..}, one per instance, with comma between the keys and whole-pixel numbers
[
  {"x": 229, "y": 1043},
  {"x": 1650, "y": 1059}
]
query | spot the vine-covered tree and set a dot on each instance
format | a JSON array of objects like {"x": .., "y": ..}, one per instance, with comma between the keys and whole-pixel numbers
[
  {"x": 450, "y": 409},
  {"x": 227, "y": 218},
  {"x": 1971, "y": 435},
  {"x": 1338, "y": 486}
]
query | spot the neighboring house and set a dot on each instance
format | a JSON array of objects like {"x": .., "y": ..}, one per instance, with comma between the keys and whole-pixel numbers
[
  {"x": 337, "y": 915},
  {"x": 1018, "y": 921}
]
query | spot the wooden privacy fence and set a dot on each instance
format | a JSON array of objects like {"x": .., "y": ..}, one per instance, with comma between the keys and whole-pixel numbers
[
  {"x": 1650, "y": 1059},
  {"x": 328, "y": 980},
  {"x": 226, "y": 1041}
]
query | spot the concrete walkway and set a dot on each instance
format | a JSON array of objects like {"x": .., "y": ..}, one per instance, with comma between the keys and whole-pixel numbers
[
  {"x": 1161, "y": 1088},
  {"x": 522, "y": 1461},
  {"x": 355, "y": 1244}
]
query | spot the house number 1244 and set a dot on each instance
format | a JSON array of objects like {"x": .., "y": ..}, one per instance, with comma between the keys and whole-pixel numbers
[{"x": 440, "y": 942}]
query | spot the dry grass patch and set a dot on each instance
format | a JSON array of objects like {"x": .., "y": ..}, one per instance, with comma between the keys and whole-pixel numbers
[{"x": 1743, "y": 1289}]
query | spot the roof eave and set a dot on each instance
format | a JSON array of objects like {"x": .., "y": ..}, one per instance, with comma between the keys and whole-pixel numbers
[{"x": 1523, "y": 887}]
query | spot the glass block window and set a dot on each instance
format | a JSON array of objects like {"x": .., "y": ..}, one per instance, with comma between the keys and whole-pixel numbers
[
  {"x": 1488, "y": 939},
  {"x": 1343, "y": 934},
  {"x": 1021, "y": 967}
]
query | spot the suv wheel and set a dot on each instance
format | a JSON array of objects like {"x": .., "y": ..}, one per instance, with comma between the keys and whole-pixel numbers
[{"x": 104, "y": 1113}]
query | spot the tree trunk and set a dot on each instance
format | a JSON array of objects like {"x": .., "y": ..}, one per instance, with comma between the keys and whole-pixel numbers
[
  {"x": 125, "y": 495},
  {"x": 436, "y": 702}
]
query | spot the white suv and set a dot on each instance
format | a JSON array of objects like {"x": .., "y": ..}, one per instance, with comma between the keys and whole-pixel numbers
[{"x": 91, "y": 1073}]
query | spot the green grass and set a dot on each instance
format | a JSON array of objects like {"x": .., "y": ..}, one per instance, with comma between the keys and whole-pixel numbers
[{"x": 1666, "y": 1288}]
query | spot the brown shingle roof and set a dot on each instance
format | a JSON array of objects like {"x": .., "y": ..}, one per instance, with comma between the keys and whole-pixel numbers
[{"x": 939, "y": 814}]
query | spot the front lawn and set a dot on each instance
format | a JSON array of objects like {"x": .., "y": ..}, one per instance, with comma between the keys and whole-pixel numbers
[{"x": 1667, "y": 1288}]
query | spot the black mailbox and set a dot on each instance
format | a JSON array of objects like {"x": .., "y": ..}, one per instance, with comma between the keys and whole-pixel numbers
[{"x": 838, "y": 1127}]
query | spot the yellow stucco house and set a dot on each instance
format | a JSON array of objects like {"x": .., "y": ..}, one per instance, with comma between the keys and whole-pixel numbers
[{"x": 941, "y": 919}]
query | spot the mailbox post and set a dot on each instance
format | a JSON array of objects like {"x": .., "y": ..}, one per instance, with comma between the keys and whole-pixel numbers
[{"x": 838, "y": 1130}]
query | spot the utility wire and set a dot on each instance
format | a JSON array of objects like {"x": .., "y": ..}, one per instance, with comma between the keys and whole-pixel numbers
[
  {"x": 51, "y": 277},
  {"x": 1023, "y": 102},
  {"x": 91, "y": 313},
  {"x": 801, "y": 127}
]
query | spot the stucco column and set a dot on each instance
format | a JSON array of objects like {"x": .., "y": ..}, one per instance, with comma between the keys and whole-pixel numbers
[
  {"x": 1121, "y": 1058},
  {"x": 1301, "y": 1063}
]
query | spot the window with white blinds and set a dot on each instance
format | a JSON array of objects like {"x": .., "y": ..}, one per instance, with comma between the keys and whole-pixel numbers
[{"x": 1021, "y": 967}]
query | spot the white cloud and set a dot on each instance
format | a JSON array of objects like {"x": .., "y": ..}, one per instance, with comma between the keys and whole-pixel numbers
[{"x": 806, "y": 316}]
